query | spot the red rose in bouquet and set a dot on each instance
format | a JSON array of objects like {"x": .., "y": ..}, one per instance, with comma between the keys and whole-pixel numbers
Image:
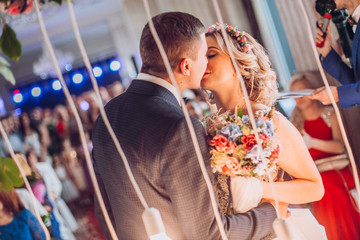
[
  {"x": 222, "y": 145},
  {"x": 249, "y": 141},
  {"x": 219, "y": 142}
]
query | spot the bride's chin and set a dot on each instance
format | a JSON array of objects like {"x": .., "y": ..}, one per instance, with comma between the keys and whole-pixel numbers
[{"x": 205, "y": 85}]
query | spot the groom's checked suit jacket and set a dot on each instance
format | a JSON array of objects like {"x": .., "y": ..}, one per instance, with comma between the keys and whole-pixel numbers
[
  {"x": 150, "y": 125},
  {"x": 349, "y": 91}
]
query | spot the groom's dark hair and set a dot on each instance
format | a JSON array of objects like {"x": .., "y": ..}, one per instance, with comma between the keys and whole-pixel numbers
[{"x": 177, "y": 32}]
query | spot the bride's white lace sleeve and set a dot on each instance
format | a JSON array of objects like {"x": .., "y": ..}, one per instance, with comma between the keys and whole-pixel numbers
[{"x": 246, "y": 193}]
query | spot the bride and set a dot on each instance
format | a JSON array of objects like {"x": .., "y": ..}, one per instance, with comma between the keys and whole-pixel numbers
[{"x": 240, "y": 194}]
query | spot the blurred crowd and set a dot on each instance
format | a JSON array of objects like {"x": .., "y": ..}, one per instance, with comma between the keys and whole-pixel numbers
[{"x": 48, "y": 146}]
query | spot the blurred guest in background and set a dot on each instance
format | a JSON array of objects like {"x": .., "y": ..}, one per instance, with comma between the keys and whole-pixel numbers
[
  {"x": 16, "y": 222},
  {"x": 337, "y": 210}
]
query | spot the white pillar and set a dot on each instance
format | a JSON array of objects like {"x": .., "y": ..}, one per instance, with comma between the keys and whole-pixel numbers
[
  {"x": 271, "y": 41},
  {"x": 125, "y": 42}
]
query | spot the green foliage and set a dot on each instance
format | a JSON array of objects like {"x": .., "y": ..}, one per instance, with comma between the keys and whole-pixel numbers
[
  {"x": 239, "y": 113},
  {"x": 57, "y": 1},
  {"x": 9, "y": 174},
  {"x": 9, "y": 44},
  {"x": 5, "y": 70}
]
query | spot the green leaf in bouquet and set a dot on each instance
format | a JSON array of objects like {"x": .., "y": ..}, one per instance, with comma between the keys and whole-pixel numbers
[
  {"x": 239, "y": 113},
  {"x": 5, "y": 71},
  {"x": 9, "y": 44},
  {"x": 5, "y": 182}
]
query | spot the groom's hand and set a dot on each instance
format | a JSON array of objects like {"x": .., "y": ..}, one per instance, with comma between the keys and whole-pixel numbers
[{"x": 283, "y": 207}]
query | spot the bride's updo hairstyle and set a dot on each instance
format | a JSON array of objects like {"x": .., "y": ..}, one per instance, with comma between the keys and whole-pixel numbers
[{"x": 253, "y": 62}]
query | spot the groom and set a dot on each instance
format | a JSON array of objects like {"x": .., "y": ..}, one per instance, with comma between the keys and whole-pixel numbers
[{"x": 150, "y": 125}]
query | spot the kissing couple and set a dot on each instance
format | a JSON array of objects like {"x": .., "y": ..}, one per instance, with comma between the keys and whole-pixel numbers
[{"x": 150, "y": 125}]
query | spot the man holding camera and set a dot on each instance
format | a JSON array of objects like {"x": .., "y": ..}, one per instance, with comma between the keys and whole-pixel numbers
[{"x": 348, "y": 94}]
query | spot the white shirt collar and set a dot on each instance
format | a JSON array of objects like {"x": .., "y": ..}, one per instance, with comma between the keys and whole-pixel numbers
[
  {"x": 159, "y": 81},
  {"x": 356, "y": 14}
]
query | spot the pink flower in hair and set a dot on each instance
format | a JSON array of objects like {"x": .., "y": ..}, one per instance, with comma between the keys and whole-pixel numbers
[
  {"x": 243, "y": 39},
  {"x": 212, "y": 28},
  {"x": 230, "y": 29},
  {"x": 246, "y": 47},
  {"x": 237, "y": 33}
]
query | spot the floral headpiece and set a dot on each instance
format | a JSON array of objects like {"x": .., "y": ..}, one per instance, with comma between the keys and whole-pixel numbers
[{"x": 234, "y": 32}]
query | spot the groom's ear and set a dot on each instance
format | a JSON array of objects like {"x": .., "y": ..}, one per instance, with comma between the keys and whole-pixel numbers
[{"x": 184, "y": 66}]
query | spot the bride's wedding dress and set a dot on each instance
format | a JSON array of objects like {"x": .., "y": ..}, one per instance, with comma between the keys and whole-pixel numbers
[{"x": 246, "y": 193}]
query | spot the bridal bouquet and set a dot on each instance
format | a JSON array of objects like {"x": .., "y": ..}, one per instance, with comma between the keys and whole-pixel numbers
[{"x": 233, "y": 146}]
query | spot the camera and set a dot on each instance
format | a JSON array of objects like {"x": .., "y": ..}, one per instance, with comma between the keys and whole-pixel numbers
[
  {"x": 327, "y": 9},
  {"x": 325, "y": 6}
]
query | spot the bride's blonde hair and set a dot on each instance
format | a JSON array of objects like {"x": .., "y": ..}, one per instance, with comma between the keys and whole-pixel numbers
[{"x": 254, "y": 65}]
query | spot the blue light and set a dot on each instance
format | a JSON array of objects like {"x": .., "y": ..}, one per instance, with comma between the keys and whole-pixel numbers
[
  {"x": 78, "y": 78},
  {"x": 68, "y": 67},
  {"x": 35, "y": 92},
  {"x": 115, "y": 65},
  {"x": 18, "y": 97},
  {"x": 84, "y": 105},
  {"x": 17, "y": 111},
  {"x": 97, "y": 71},
  {"x": 56, "y": 85}
]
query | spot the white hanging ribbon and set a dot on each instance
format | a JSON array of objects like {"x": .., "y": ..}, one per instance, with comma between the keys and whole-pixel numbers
[
  {"x": 188, "y": 121},
  {"x": 77, "y": 118},
  {"x": 33, "y": 201},
  {"x": 101, "y": 107},
  {"x": 338, "y": 116}
]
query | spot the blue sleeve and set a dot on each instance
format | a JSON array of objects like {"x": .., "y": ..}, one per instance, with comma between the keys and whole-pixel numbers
[
  {"x": 333, "y": 64},
  {"x": 36, "y": 230},
  {"x": 349, "y": 95}
]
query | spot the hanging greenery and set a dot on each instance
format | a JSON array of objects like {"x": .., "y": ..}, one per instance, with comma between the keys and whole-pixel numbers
[{"x": 9, "y": 44}]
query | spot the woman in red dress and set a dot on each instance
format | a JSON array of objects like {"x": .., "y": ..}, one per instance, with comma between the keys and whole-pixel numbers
[{"x": 337, "y": 210}]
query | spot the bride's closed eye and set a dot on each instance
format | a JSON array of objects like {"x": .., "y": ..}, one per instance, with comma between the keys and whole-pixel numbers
[
  {"x": 212, "y": 52},
  {"x": 210, "y": 55}
]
